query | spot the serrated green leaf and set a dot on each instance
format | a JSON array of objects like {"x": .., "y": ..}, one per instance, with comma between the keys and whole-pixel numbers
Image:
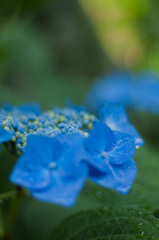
[{"x": 107, "y": 223}]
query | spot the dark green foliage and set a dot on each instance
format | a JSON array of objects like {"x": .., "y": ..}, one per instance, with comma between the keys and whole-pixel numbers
[
  {"x": 10, "y": 8},
  {"x": 108, "y": 223},
  {"x": 77, "y": 46},
  {"x": 147, "y": 125}
]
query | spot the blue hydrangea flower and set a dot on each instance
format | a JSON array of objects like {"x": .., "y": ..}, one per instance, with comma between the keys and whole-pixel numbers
[
  {"x": 145, "y": 92},
  {"x": 54, "y": 169},
  {"x": 116, "y": 118},
  {"x": 111, "y": 153},
  {"x": 113, "y": 88},
  {"x": 136, "y": 91},
  {"x": 51, "y": 169},
  {"x": 62, "y": 147}
]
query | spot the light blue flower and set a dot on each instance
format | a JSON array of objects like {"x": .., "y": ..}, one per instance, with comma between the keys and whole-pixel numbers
[
  {"x": 113, "y": 88},
  {"x": 145, "y": 92},
  {"x": 116, "y": 118},
  {"x": 136, "y": 91},
  {"x": 111, "y": 153},
  {"x": 51, "y": 170}
]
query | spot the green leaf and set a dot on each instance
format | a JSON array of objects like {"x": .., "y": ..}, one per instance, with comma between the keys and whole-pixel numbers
[
  {"x": 107, "y": 223},
  {"x": 7, "y": 162}
]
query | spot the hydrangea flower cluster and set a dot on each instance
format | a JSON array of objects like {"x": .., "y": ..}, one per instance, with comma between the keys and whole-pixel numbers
[
  {"x": 61, "y": 148},
  {"x": 20, "y": 123},
  {"x": 137, "y": 91}
]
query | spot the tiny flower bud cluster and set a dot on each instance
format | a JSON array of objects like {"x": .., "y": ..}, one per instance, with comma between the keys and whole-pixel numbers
[{"x": 49, "y": 123}]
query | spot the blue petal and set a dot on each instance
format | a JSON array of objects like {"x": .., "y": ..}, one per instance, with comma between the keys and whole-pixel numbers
[
  {"x": 131, "y": 130},
  {"x": 113, "y": 115},
  {"x": 62, "y": 191},
  {"x": 124, "y": 148},
  {"x": 8, "y": 107},
  {"x": 114, "y": 88},
  {"x": 27, "y": 178},
  {"x": 116, "y": 118},
  {"x": 95, "y": 172},
  {"x": 32, "y": 170},
  {"x": 119, "y": 177},
  {"x": 120, "y": 88},
  {"x": 29, "y": 108},
  {"x": 145, "y": 92},
  {"x": 5, "y": 136},
  {"x": 32, "y": 107},
  {"x": 98, "y": 163},
  {"x": 101, "y": 137},
  {"x": 78, "y": 108},
  {"x": 95, "y": 162},
  {"x": 41, "y": 150},
  {"x": 73, "y": 153}
]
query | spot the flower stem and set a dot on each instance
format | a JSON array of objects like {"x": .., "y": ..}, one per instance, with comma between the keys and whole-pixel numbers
[
  {"x": 1, "y": 222},
  {"x": 9, "y": 194},
  {"x": 13, "y": 214}
]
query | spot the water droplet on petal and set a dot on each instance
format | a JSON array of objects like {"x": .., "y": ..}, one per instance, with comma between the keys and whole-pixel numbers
[{"x": 52, "y": 165}]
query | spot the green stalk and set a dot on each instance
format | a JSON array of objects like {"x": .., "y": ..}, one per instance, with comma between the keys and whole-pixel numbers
[
  {"x": 13, "y": 214},
  {"x": 1, "y": 222},
  {"x": 9, "y": 194}
]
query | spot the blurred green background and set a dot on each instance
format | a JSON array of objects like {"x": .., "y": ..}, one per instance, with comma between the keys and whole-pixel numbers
[
  {"x": 49, "y": 50},
  {"x": 53, "y": 50},
  {"x": 58, "y": 47}
]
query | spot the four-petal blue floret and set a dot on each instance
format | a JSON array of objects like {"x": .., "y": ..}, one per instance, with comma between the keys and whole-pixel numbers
[
  {"x": 52, "y": 168},
  {"x": 111, "y": 153}
]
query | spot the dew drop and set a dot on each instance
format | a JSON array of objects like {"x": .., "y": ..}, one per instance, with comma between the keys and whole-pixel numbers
[
  {"x": 99, "y": 194},
  {"x": 105, "y": 208},
  {"x": 52, "y": 165}
]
